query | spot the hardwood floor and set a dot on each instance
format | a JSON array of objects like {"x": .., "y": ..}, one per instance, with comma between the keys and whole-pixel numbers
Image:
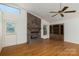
[{"x": 43, "y": 48}]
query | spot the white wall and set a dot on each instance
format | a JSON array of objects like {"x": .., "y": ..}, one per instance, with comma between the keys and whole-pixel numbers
[
  {"x": 71, "y": 28},
  {"x": 43, "y": 22},
  {"x": 22, "y": 28}
]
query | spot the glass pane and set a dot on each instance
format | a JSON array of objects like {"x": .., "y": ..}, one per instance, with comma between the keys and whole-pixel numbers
[
  {"x": 44, "y": 29},
  {"x": 6, "y": 8}
]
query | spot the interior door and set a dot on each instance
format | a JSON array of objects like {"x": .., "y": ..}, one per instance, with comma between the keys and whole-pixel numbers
[
  {"x": 9, "y": 16},
  {"x": 10, "y": 34}
]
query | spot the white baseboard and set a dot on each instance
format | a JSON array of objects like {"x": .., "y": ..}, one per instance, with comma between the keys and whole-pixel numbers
[
  {"x": 15, "y": 44},
  {"x": 72, "y": 42}
]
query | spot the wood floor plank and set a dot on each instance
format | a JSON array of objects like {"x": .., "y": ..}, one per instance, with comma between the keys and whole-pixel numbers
[{"x": 43, "y": 48}]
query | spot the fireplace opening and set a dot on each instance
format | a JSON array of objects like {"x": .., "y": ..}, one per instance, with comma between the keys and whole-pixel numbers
[{"x": 35, "y": 35}]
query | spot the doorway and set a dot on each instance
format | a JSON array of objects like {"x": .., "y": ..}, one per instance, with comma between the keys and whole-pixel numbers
[{"x": 9, "y": 17}]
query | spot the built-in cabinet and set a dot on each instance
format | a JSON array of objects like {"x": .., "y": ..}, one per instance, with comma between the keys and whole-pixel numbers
[
  {"x": 33, "y": 28},
  {"x": 57, "y": 32}
]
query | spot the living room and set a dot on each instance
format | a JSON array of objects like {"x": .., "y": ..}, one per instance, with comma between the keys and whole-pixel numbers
[{"x": 52, "y": 26}]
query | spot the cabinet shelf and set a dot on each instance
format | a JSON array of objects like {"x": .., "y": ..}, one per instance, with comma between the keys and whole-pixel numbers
[{"x": 57, "y": 32}]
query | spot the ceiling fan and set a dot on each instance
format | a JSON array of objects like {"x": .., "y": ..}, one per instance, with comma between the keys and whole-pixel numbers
[{"x": 60, "y": 12}]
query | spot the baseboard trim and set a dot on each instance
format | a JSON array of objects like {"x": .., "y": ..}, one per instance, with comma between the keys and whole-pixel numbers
[{"x": 71, "y": 42}]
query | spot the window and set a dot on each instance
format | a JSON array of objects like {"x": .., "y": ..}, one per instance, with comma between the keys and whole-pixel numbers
[
  {"x": 6, "y": 8},
  {"x": 10, "y": 24},
  {"x": 44, "y": 29}
]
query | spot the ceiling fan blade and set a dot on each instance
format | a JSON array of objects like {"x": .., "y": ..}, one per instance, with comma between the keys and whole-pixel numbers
[
  {"x": 54, "y": 15},
  {"x": 70, "y": 11},
  {"x": 53, "y": 12},
  {"x": 62, "y": 15},
  {"x": 64, "y": 8}
]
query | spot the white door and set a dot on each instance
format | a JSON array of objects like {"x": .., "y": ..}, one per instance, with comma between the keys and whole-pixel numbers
[
  {"x": 9, "y": 16},
  {"x": 10, "y": 38}
]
